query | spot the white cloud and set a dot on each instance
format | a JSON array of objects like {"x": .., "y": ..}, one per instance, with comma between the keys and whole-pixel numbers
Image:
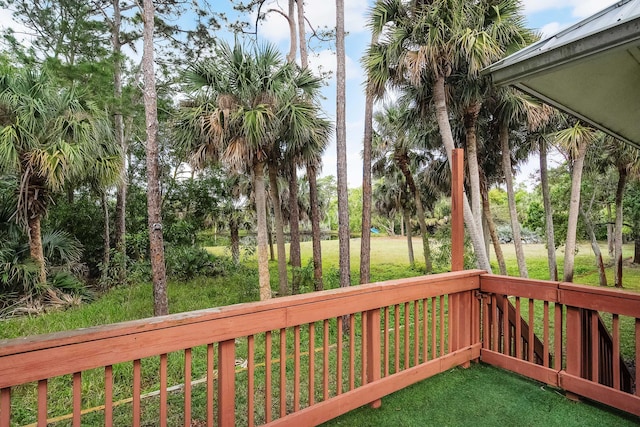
[
  {"x": 325, "y": 61},
  {"x": 579, "y": 8},
  {"x": 550, "y": 29}
]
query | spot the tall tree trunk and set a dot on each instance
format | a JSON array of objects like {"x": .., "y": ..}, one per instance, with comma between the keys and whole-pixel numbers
[
  {"x": 622, "y": 181},
  {"x": 595, "y": 247},
  {"x": 272, "y": 254},
  {"x": 294, "y": 227},
  {"x": 291, "y": 20},
  {"x": 106, "y": 239},
  {"x": 470, "y": 127},
  {"x": 442, "y": 116},
  {"x": 261, "y": 213},
  {"x": 304, "y": 62},
  {"x": 318, "y": 284},
  {"x": 158, "y": 271},
  {"x": 548, "y": 212},
  {"x": 365, "y": 241},
  {"x": 574, "y": 205},
  {"x": 511, "y": 199},
  {"x": 426, "y": 250},
  {"x": 235, "y": 240},
  {"x": 407, "y": 220},
  {"x": 121, "y": 193},
  {"x": 610, "y": 231},
  {"x": 35, "y": 247},
  {"x": 277, "y": 213},
  {"x": 636, "y": 249},
  {"x": 491, "y": 226},
  {"x": 341, "y": 146}
]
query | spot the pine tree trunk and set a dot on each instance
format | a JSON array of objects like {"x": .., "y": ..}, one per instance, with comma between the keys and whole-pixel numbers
[
  {"x": 261, "y": 213},
  {"x": 511, "y": 199},
  {"x": 121, "y": 192},
  {"x": 158, "y": 272},
  {"x": 365, "y": 241},
  {"x": 548, "y": 213},
  {"x": 442, "y": 116},
  {"x": 35, "y": 247},
  {"x": 277, "y": 213},
  {"x": 610, "y": 231},
  {"x": 574, "y": 205},
  {"x": 636, "y": 250},
  {"x": 106, "y": 239},
  {"x": 295, "y": 257},
  {"x": 341, "y": 146},
  {"x": 622, "y": 181},
  {"x": 318, "y": 284}
]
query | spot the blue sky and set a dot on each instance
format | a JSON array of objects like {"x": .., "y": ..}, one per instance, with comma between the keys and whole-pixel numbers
[{"x": 547, "y": 16}]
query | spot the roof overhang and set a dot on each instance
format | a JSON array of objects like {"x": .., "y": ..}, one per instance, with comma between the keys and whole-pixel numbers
[{"x": 590, "y": 70}]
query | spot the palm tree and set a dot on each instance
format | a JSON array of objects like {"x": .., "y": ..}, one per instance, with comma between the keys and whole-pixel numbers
[
  {"x": 425, "y": 43},
  {"x": 49, "y": 137},
  {"x": 240, "y": 106},
  {"x": 575, "y": 139}
]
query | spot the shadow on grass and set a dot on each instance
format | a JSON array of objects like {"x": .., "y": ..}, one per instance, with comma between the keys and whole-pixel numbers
[{"x": 482, "y": 396}]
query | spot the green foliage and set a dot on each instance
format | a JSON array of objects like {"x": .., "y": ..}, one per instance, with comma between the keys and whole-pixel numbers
[{"x": 187, "y": 262}]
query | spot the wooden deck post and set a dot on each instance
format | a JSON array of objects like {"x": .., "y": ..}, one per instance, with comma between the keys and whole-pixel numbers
[
  {"x": 373, "y": 350},
  {"x": 226, "y": 383},
  {"x": 574, "y": 345},
  {"x": 457, "y": 210}
]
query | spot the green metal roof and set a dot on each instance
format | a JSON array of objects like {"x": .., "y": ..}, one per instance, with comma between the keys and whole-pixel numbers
[{"x": 590, "y": 70}]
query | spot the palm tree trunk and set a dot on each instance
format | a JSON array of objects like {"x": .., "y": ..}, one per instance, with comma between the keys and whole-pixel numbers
[
  {"x": 315, "y": 227},
  {"x": 235, "y": 240},
  {"x": 35, "y": 247},
  {"x": 574, "y": 205},
  {"x": 511, "y": 199},
  {"x": 404, "y": 167},
  {"x": 158, "y": 271},
  {"x": 261, "y": 213},
  {"x": 106, "y": 243},
  {"x": 502, "y": 265},
  {"x": 610, "y": 231},
  {"x": 272, "y": 254},
  {"x": 341, "y": 146},
  {"x": 622, "y": 181},
  {"x": 277, "y": 213},
  {"x": 548, "y": 212},
  {"x": 594, "y": 246},
  {"x": 294, "y": 227},
  {"x": 407, "y": 221},
  {"x": 442, "y": 116},
  {"x": 470, "y": 125}
]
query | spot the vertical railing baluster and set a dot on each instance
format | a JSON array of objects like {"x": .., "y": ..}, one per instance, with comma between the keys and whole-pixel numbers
[
  {"x": 451, "y": 332},
  {"x": 434, "y": 331},
  {"x": 42, "y": 403},
  {"x": 386, "y": 341},
  {"x": 531, "y": 343},
  {"x": 363, "y": 348},
  {"x": 283, "y": 372},
  {"x": 372, "y": 333},
  {"x": 77, "y": 398},
  {"x": 296, "y": 368},
  {"x": 352, "y": 352},
  {"x": 210, "y": 378},
  {"x": 325, "y": 359},
  {"x": 187, "y": 387},
  {"x": 506, "y": 328},
  {"x": 615, "y": 326},
  {"x": 518, "y": 334},
  {"x": 442, "y": 326},
  {"x": 251, "y": 368},
  {"x": 227, "y": 383},
  {"x": 425, "y": 343},
  {"x": 108, "y": 396},
  {"x": 486, "y": 323},
  {"x": 407, "y": 326},
  {"x": 5, "y": 406},
  {"x": 557, "y": 338},
  {"x": 637, "y": 356},
  {"x": 137, "y": 386},
  {"x": 339, "y": 332},
  {"x": 545, "y": 342},
  {"x": 396, "y": 337},
  {"x": 267, "y": 376},
  {"x": 312, "y": 363},
  {"x": 595, "y": 347},
  {"x": 163, "y": 390}
]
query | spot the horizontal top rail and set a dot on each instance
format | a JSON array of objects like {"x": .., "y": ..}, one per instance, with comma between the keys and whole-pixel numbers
[
  {"x": 73, "y": 351},
  {"x": 609, "y": 300}
]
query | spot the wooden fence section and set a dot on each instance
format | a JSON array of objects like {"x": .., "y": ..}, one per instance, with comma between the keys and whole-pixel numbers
[
  {"x": 301, "y": 359},
  {"x": 583, "y": 330}
]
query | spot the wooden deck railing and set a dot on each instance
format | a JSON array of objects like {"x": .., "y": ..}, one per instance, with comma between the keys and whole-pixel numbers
[
  {"x": 305, "y": 359},
  {"x": 297, "y": 360},
  {"x": 581, "y": 329}
]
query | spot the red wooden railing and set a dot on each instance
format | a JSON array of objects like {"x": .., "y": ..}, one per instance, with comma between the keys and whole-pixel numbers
[
  {"x": 305, "y": 359},
  {"x": 288, "y": 361}
]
